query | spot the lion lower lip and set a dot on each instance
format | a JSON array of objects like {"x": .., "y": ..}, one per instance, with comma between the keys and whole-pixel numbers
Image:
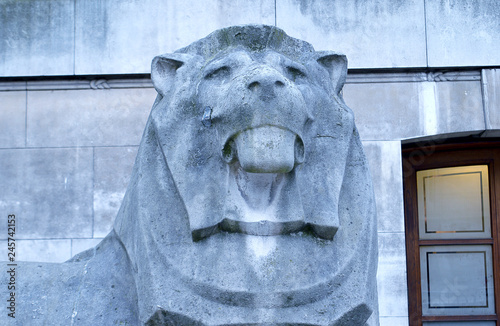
[
  {"x": 262, "y": 228},
  {"x": 267, "y": 149}
]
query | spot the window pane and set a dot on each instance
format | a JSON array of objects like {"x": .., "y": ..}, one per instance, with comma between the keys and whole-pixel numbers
[
  {"x": 459, "y": 323},
  {"x": 454, "y": 203},
  {"x": 457, "y": 280}
]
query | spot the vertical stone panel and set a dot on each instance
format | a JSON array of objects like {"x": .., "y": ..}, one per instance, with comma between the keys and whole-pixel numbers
[
  {"x": 36, "y": 37},
  {"x": 463, "y": 32},
  {"x": 393, "y": 321},
  {"x": 12, "y": 119},
  {"x": 113, "y": 168},
  {"x": 391, "y": 275},
  {"x": 88, "y": 117},
  {"x": 49, "y": 191},
  {"x": 492, "y": 100},
  {"x": 384, "y": 158},
  {"x": 373, "y": 34},
  {"x": 123, "y": 36}
]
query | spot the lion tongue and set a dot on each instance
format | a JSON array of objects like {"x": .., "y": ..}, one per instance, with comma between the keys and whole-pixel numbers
[{"x": 266, "y": 149}]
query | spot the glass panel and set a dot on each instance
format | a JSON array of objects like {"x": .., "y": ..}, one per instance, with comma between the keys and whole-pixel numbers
[
  {"x": 459, "y": 323},
  {"x": 457, "y": 280},
  {"x": 453, "y": 203}
]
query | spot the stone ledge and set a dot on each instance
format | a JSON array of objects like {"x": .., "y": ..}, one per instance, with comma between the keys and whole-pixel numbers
[
  {"x": 13, "y": 86},
  {"x": 406, "y": 77},
  {"x": 352, "y": 78},
  {"x": 96, "y": 84}
]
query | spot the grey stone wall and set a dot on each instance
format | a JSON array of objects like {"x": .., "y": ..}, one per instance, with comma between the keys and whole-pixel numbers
[
  {"x": 66, "y": 156},
  {"x": 67, "y": 145},
  {"x": 77, "y": 37},
  {"x": 67, "y": 149}
]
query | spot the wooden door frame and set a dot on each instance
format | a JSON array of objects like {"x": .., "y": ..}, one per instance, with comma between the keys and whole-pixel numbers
[{"x": 428, "y": 156}]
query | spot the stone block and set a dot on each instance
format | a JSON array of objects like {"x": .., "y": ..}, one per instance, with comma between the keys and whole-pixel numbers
[
  {"x": 46, "y": 251},
  {"x": 393, "y": 321},
  {"x": 459, "y": 107},
  {"x": 391, "y": 275},
  {"x": 87, "y": 117},
  {"x": 117, "y": 36},
  {"x": 12, "y": 119},
  {"x": 492, "y": 100},
  {"x": 390, "y": 111},
  {"x": 112, "y": 170},
  {"x": 385, "y": 111},
  {"x": 384, "y": 158},
  {"x": 49, "y": 191},
  {"x": 79, "y": 245},
  {"x": 463, "y": 32},
  {"x": 373, "y": 34},
  {"x": 36, "y": 37}
]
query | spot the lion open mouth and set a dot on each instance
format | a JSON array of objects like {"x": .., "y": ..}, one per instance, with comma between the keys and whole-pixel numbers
[{"x": 261, "y": 183}]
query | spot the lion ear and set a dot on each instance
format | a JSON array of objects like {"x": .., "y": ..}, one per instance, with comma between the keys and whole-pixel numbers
[
  {"x": 163, "y": 71},
  {"x": 336, "y": 64}
]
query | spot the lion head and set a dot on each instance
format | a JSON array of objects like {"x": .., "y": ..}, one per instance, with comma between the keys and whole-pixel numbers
[{"x": 250, "y": 200}]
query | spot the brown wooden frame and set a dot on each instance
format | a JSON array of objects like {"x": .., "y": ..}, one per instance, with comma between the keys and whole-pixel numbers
[{"x": 429, "y": 156}]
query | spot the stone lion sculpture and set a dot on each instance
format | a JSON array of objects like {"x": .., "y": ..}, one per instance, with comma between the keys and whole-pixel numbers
[{"x": 250, "y": 202}]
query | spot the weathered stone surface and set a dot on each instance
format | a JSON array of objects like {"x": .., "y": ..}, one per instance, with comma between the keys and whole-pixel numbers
[
  {"x": 49, "y": 190},
  {"x": 392, "y": 111},
  {"x": 94, "y": 288},
  {"x": 386, "y": 111},
  {"x": 112, "y": 169},
  {"x": 138, "y": 30},
  {"x": 12, "y": 119},
  {"x": 391, "y": 276},
  {"x": 36, "y": 37},
  {"x": 373, "y": 34},
  {"x": 250, "y": 201},
  {"x": 65, "y": 37},
  {"x": 79, "y": 245},
  {"x": 384, "y": 158},
  {"x": 459, "y": 107},
  {"x": 394, "y": 321},
  {"x": 47, "y": 251},
  {"x": 463, "y": 32},
  {"x": 492, "y": 100},
  {"x": 87, "y": 117}
]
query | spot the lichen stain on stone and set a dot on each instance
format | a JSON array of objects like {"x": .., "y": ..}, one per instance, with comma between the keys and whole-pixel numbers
[{"x": 332, "y": 16}]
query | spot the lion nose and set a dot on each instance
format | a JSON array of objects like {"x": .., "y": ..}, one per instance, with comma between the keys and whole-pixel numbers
[{"x": 265, "y": 84}]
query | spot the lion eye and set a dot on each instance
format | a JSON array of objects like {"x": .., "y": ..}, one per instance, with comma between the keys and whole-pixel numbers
[
  {"x": 220, "y": 72},
  {"x": 295, "y": 73}
]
